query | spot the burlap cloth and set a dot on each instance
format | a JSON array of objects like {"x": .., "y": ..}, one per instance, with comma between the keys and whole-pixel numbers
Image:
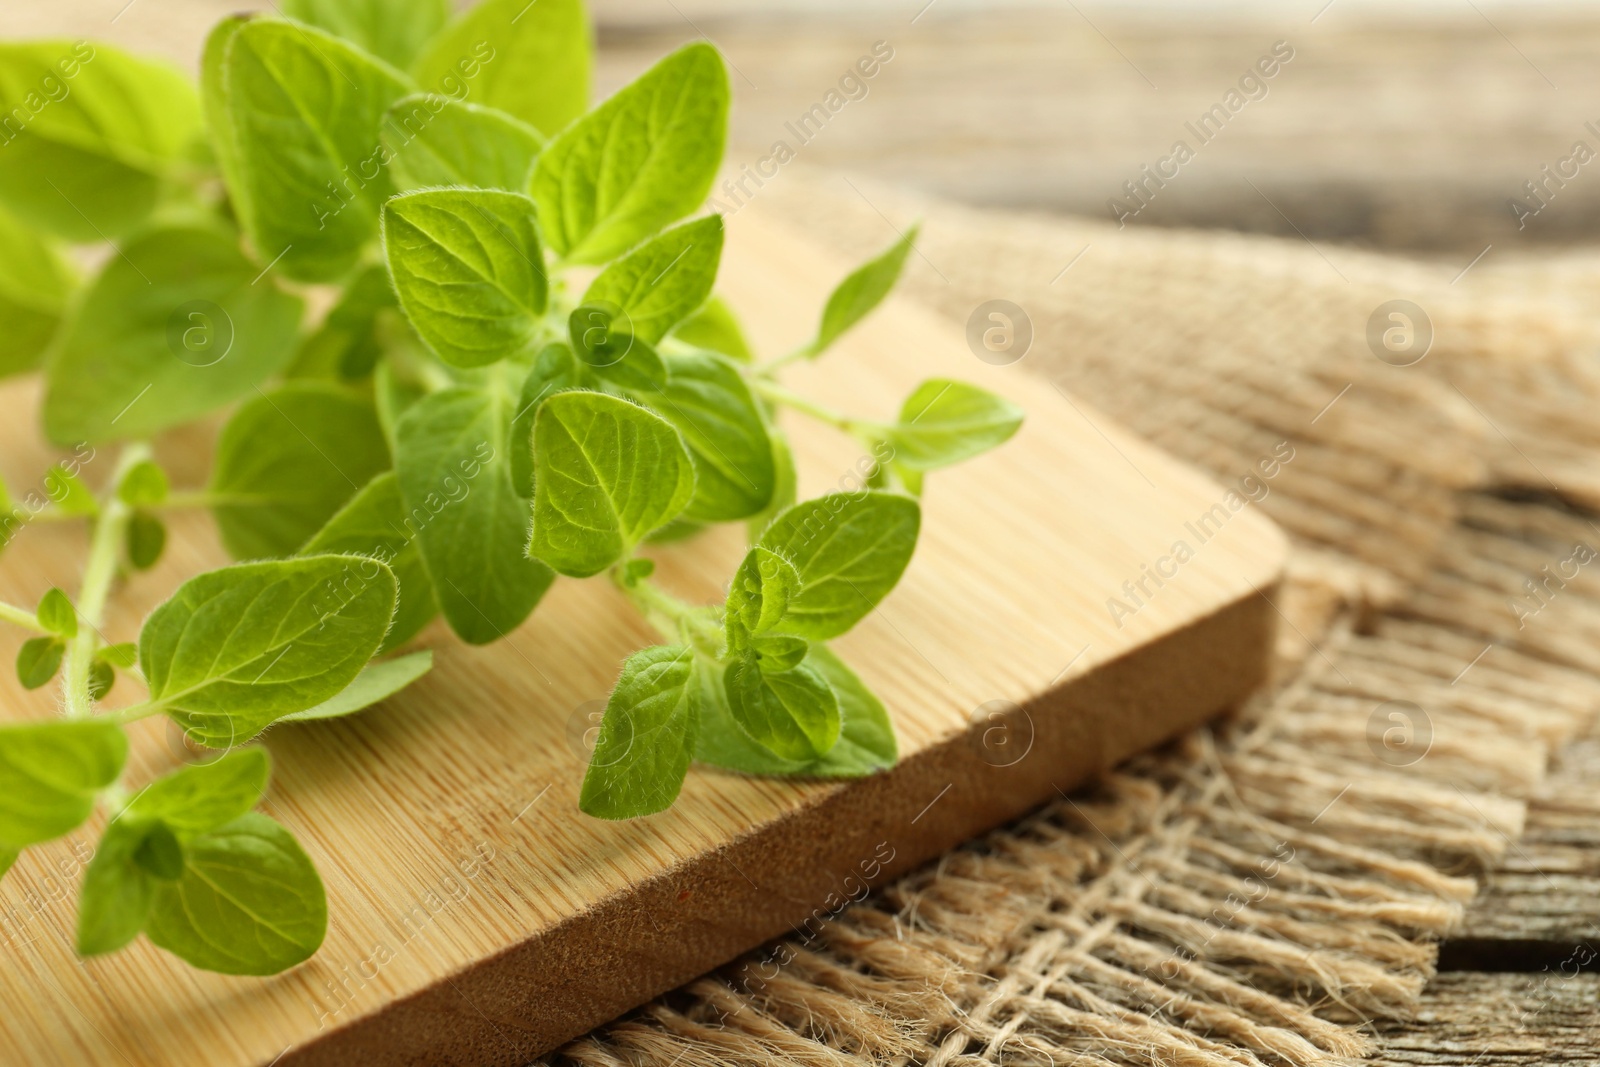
[{"x": 1265, "y": 889}]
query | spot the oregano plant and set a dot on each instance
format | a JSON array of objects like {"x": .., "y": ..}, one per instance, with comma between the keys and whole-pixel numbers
[{"x": 462, "y": 421}]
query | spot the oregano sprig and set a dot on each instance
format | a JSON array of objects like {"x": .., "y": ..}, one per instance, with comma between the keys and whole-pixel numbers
[{"x": 459, "y": 429}]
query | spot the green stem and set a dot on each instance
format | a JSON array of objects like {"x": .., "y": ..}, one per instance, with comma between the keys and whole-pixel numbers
[
  {"x": 135, "y": 712},
  {"x": 16, "y": 616},
  {"x": 822, "y": 413},
  {"x": 675, "y": 620},
  {"x": 110, "y": 528},
  {"x": 772, "y": 366}
]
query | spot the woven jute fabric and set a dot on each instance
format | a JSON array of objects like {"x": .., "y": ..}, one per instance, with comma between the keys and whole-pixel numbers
[{"x": 1263, "y": 890}]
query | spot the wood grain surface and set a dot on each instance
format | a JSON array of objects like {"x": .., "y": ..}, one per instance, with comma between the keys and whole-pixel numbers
[{"x": 479, "y": 918}]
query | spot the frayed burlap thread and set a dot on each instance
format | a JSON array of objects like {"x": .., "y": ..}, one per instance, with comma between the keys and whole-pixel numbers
[{"x": 1263, "y": 890}]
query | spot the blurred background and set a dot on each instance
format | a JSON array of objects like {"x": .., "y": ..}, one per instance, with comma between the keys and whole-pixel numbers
[{"x": 1411, "y": 125}]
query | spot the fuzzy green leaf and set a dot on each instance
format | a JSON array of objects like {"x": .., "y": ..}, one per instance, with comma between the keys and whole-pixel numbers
[
  {"x": 462, "y": 504},
  {"x": 249, "y": 902},
  {"x": 601, "y": 341},
  {"x": 709, "y": 402},
  {"x": 607, "y": 472},
  {"x": 850, "y": 550},
  {"x": 38, "y": 660},
  {"x": 237, "y": 649},
  {"x": 92, "y": 134},
  {"x": 146, "y": 540},
  {"x": 716, "y": 327},
  {"x": 102, "y": 679},
  {"x": 784, "y": 484},
  {"x": 468, "y": 269},
  {"x": 945, "y": 422},
  {"x": 303, "y": 161},
  {"x": 287, "y": 461},
  {"x": 793, "y": 714},
  {"x": 174, "y": 327},
  {"x": 374, "y": 523},
  {"x": 759, "y": 595},
  {"x": 203, "y": 796},
  {"x": 116, "y": 894},
  {"x": 439, "y": 141},
  {"x": 395, "y": 31},
  {"x": 530, "y": 60},
  {"x": 348, "y": 343},
  {"x": 861, "y": 292},
  {"x": 660, "y": 283},
  {"x": 866, "y": 737},
  {"x": 35, "y": 283},
  {"x": 50, "y": 774},
  {"x": 640, "y": 161},
  {"x": 647, "y": 737},
  {"x": 56, "y": 614},
  {"x": 125, "y": 655},
  {"x": 376, "y": 682},
  {"x": 144, "y": 486},
  {"x": 554, "y": 371}
]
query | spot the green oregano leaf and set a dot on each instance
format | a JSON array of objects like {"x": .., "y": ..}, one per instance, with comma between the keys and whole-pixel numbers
[
  {"x": 393, "y": 30},
  {"x": 439, "y": 141},
  {"x": 146, "y": 540},
  {"x": 776, "y": 653},
  {"x": 866, "y": 737},
  {"x": 249, "y": 902},
  {"x": 349, "y": 342},
  {"x": 463, "y": 507},
  {"x": 287, "y": 461},
  {"x": 607, "y": 472},
  {"x": 68, "y": 493},
  {"x": 710, "y": 403},
  {"x": 38, "y": 660},
  {"x": 303, "y": 162},
  {"x": 759, "y": 595},
  {"x": 115, "y": 898},
  {"x": 555, "y": 370},
  {"x": 647, "y": 737},
  {"x": 660, "y": 283},
  {"x": 35, "y": 284},
  {"x": 641, "y": 160},
  {"x": 850, "y": 550},
  {"x": 375, "y": 523},
  {"x": 144, "y": 486},
  {"x": 945, "y": 422},
  {"x": 793, "y": 714},
  {"x": 124, "y": 655},
  {"x": 160, "y": 854},
  {"x": 376, "y": 682},
  {"x": 716, "y": 327},
  {"x": 204, "y": 796},
  {"x": 861, "y": 292},
  {"x": 530, "y": 60},
  {"x": 785, "y": 483},
  {"x": 237, "y": 649},
  {"x": 610, "y": 353},
  {"x": 50, "y": 774},
  {"x": 176, "y": 326},
  {"x": 102, "y": 677},
  {"x": 468, "y": 269},
  {"x": 56, "y": 614},
  {"x": 94, "y": 135}
]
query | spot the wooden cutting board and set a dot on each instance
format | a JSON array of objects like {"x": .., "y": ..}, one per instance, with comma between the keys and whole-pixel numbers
[{"x": 477, "y": 917}]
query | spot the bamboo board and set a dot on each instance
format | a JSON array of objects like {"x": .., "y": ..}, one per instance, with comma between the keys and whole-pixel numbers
[{"x": 478, "y": 918}]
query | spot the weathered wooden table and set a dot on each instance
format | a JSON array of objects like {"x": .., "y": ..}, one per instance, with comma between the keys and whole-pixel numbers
[{"x": 1414, "y": 131}]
